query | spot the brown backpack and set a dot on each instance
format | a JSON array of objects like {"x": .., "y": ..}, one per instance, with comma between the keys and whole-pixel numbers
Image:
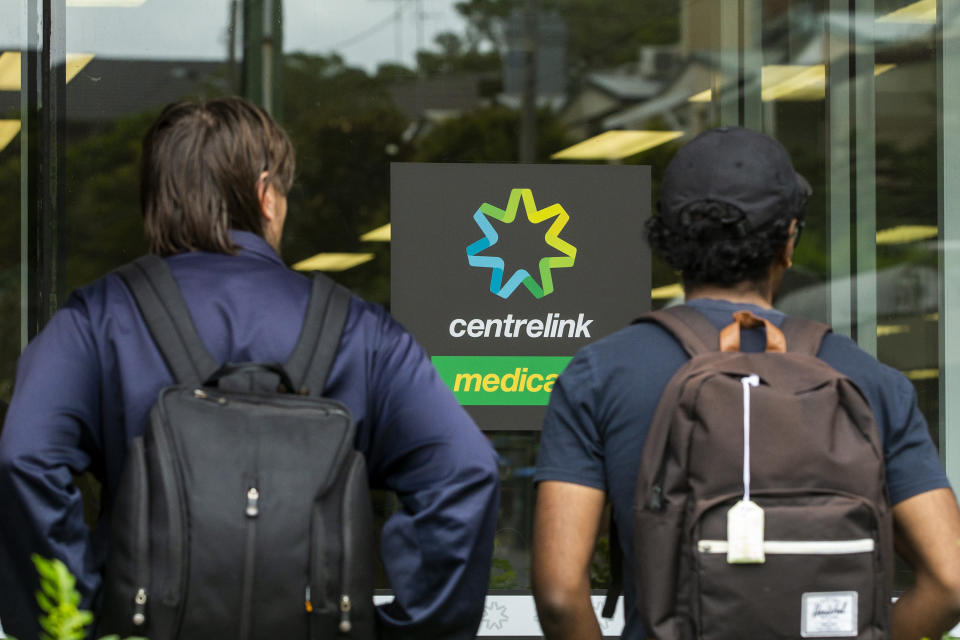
[{"x": 782, "y": 432}]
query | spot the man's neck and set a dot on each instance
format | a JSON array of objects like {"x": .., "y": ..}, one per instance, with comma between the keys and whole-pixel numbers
[{"x": 744, "y": 293}]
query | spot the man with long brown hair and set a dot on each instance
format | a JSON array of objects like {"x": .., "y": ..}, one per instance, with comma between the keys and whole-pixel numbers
[{"x": 214, "y": 179}]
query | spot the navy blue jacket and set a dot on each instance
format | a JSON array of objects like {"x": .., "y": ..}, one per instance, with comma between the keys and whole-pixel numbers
[{"x": 86, "y": 384}]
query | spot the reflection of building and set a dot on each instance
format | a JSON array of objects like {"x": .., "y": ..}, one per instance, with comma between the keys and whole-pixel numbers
[
  {"x": 708, "y": 68},
  {"x": 135, "y": 86},
  {"x": 907, "y": 304},
  {"x": 108, "y": 89},
  {"x": 603, "y": 94},
  {"x": 845, "y": 93},
  {"x": 429, "y": 101}
]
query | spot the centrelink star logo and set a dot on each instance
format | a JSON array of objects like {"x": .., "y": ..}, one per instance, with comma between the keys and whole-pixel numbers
[{"x": 551, "y": 238}]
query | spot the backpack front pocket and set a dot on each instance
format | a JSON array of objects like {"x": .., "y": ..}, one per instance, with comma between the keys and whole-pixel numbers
[{"x": 820, "y": 578}]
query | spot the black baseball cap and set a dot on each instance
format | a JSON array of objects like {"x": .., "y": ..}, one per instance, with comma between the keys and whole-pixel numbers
[{"x": 740, "y": 167}]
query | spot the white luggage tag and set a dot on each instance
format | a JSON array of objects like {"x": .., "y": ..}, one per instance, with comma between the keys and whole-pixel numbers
[
  {"x": 745, "y": 519},
  {"x": 745, "y": 533}
]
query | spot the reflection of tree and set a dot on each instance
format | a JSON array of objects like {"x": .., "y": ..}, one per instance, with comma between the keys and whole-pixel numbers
[
  {"x": 601, "y": 33},
  {"x": 657, "y": 158},
  {"x": 907, "y": 194},
  {"x": 487, "y": 135},
  {"x": 600, "y": 563},
  {"x": 103, "y": 222},
  {"x": 455, "y": 56},
  {"x": 502, "y": 573},
  {"x": 346, "y": 131},
  {"x": 104, "y": 226}
]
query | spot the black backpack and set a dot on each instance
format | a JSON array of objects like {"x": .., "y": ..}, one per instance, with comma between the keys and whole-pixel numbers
[
  {"x": 779, "y": 431},
  {"x": 243, "y": 511}
]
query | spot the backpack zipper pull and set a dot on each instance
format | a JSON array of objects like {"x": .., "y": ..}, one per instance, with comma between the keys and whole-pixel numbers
[
  {"x": 345, "y": 625},
  {"x": 140, "y": 607},
  {"x": 308, "y": 605},
  {"x": 656, "y": 497},
  {"x": 253, "y": 502}
]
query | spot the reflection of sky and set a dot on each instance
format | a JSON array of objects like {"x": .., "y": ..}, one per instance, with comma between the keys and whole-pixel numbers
[
  {"x": 364, "y": 32},
  {"x": 11, "y": 27}
]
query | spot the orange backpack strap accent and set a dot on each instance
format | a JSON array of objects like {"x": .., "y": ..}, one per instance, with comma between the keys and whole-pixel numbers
[
  {"x": 730, "y": 335},
  {"x": 696, "y": 334}
]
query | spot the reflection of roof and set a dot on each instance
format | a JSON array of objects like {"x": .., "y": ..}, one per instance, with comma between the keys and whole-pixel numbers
[
  {"x": 907, "y": 301},
  {"x": 448, "y": 93},
  {"x": 107, "y": 89},
  {"x": 808, "y": 41},
  {"x": 694, "y": 78},
  {"x": 903, "y": 290},
  {"x": 606, "y": 92},
  {"x": 624, "y": 86}
]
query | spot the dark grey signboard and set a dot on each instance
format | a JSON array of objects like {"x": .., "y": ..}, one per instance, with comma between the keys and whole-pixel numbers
[{"x": 503, "y": 272}]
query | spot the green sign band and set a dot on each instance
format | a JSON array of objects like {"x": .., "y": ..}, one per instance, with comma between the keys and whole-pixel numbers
[{"x": 500, "y": 380}]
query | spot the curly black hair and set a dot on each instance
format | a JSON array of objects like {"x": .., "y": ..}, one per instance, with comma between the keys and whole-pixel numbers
[{"x": 710, "y": 243}]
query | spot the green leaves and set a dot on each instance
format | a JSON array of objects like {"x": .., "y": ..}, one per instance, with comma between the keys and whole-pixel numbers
[
  {"x": 59, "y": 600},
  {"x": 502, "y": 574}
]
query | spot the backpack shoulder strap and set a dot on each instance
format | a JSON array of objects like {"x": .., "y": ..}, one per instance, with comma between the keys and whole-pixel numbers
[
  {"x": 695, "y": 333},
  {"x": 804, "y": 336},
  {"x": 312, "y": 358},
  {"x": 166, "y": 315}
]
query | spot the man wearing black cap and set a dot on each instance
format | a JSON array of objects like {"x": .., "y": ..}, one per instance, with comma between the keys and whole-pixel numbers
[{"x": 731, "y": 212}]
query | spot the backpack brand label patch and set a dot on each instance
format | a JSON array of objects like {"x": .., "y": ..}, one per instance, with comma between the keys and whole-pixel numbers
[{"x": 829, "y": 614}]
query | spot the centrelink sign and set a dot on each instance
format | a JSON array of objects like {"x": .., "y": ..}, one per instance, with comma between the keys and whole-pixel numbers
[{"x": 503, "y": 272}]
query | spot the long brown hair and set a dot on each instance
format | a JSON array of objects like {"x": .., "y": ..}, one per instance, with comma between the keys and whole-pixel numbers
[{"x": 200, "y": 170}]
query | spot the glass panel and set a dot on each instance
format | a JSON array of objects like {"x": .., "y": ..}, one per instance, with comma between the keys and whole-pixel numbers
[
  {"x": 907, "y": 202},
  {"x": 518, "y": 456},
  {"x": 905, "y": 240},
  {"x": 12, "y": 46},
  {"x": 949, "y": 223},
  {"x": 856, "y": 92}
]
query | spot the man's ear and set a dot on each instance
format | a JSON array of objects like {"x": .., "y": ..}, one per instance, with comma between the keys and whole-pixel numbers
[
  {"x": 786, "y": 255},
  {"x": 266, "y": 196}
]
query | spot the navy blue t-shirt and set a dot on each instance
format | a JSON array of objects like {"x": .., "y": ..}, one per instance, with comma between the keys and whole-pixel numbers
[{"x": 603, "y": 403}]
